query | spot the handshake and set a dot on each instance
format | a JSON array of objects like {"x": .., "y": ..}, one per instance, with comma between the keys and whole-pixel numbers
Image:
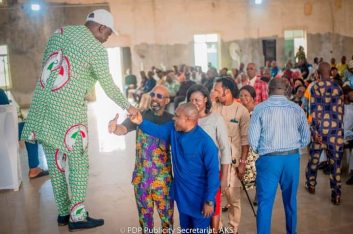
[{"x": 120, "y": 129}]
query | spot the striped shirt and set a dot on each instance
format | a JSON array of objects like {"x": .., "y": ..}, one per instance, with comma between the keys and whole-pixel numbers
[{"x": 278, "y": 125}]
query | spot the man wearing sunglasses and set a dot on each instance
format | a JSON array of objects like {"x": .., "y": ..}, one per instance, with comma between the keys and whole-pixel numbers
[
  {"x": 195, "y": 166},
  {"x": 152, "y": 175}
]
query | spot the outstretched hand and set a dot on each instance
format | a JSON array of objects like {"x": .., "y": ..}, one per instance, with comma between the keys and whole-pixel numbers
[
  {"x": 120, "y": 130},
  {"x": 113, "y": 124},
  {"x": 117, "y": 129}
]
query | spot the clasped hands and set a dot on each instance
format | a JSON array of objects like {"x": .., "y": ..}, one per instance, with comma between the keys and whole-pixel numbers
[{"x": 119, "y": 129}]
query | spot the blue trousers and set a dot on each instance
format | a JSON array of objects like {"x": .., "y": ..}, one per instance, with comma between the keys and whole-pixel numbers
[
  {"x": 32, "y": 149},
  {"x": 198, "y": 225},
  {"x": 271, "y": 171}
]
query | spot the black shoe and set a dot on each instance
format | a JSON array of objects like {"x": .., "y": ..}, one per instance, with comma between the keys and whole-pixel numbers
[
  {"x": 254, "y": 202},
  {"x": 335, "y": 199},
  {"x": 63, "y": 220},
  {"x": 322, "y": 165},
  {"x": 225, "y": 209},
  {"x": 350, "y": 181},
  {"x": 89, "y": 223},
  {"x": 327, "y": 169}
]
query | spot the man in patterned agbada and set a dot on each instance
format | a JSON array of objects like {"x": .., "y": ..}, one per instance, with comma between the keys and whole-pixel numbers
[
  {"x": 152, "y": 176},
  {"x": 326, "y": 109},
  {"x": 74, "y": 60}
]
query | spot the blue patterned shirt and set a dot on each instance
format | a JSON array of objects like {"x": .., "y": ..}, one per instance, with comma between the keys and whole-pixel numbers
[{"x": 278, "y": 125}]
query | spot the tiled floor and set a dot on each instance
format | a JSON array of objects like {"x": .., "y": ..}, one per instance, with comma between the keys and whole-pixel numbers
[{"x": 110, "y": 194}]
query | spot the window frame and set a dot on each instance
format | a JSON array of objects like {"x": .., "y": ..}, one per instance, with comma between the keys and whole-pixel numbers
[
  {"x": 292, "y": 30},
  {"x": 208, "y": 38},
  {"x": 7, "y": 70},
  {"x": 3, "y": 3}
]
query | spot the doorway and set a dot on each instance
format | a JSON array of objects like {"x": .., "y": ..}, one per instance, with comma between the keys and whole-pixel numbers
[
  {"x": 5, "y": 79},
  {"x": 292, "y": 40},
  {"x": 207, "y": 50}
]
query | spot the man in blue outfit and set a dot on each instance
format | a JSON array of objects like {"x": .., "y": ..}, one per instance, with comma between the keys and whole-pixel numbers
[
  {"x": 195, "y": 166},
  {"x": 278, "y": 129}
]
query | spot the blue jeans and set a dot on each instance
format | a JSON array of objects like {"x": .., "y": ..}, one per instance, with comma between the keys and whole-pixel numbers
[
  {"x": 32, "y": 149},
  {"x": 271, "y": 171}
]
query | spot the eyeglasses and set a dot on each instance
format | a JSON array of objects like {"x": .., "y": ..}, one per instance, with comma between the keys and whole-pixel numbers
[{"x": 157, "y": 95}]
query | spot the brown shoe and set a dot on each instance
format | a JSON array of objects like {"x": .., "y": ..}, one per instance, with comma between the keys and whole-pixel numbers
[
  {"x": 39, "y": 173},
  {"x": 310, "y": 189}
]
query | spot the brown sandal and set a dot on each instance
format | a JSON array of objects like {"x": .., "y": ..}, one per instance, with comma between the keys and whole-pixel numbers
[{"x": 40, "y": 174}]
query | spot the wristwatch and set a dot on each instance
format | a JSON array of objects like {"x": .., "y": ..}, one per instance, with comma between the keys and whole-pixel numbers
[{"x": 210, "y": 203}]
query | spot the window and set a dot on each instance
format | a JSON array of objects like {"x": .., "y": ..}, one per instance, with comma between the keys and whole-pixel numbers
[
  {"x": 5, "y": 79},
  {"x": 292, "y": 40},
  {"x": 206, "y": 49}
]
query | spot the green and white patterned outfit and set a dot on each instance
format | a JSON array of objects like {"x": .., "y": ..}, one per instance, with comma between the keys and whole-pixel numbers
[{"x": 72, "y": 64}]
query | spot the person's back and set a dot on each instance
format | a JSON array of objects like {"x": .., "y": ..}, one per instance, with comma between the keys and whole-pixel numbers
[
  {"x": 326, "y": 109},
  {"x": 327, "y": 103},
  {"x": 184, "y": 86},
  {"x": 131, "y": 80},
  {"x": 181, "y": 94},
  {"x": 279, "y": 117},
  {"x": 149, "y": 84},
  {"x": 75, "y": 48},
  {"x": 278, "y": 129},
  {"x": 72, "y": 62}
]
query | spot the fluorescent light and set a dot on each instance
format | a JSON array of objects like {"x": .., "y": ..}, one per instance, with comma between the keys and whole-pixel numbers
[
  {"x": 258, "y": 2},
  {"x": 35, "y": 7}
]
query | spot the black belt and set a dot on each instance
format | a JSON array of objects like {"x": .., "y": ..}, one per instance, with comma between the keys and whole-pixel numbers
[{"x": 295, "y": 151}]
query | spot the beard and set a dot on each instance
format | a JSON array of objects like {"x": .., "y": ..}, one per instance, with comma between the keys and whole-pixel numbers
[{"x": 155, "y": 106}]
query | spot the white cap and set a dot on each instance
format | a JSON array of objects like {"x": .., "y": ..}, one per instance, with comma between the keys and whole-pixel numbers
[{"x": 102, "y": 17}]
